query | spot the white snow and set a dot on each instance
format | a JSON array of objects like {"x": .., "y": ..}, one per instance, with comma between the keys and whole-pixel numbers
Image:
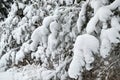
[
  {"x": 103, "y": 14},
  {"x": 19, "y": 56},
  {"x": 52, "y": 42},
  {"x": 82, "y": 17},
  {"x": 47, "y": 33},
  {"x": 114, "y": 5},
  {"x": 109, "y": 36},
  {"x": 21, "y": 5},
  {"x": 55, "y": 27},
  {"x": 47, "y": 20},
  {"x": 17, "y": 34},
  {"x": 91, "y": 26},
  {"x": 6, "y": 76},
  {"x": 39, "y": 54},
  {"x": 115, "y": 23},
  {"x": 15, "y": 20},
  {"x": 35, "y": 19},
  {"x": 14, "y": 8},
  {"x": 96, "y": 4},
  {"x": 39, "y": 35},
  {"x": 25, "y": 73},
  {"x": 83, "y": 48},
  {"x": 105, "y": 48}
]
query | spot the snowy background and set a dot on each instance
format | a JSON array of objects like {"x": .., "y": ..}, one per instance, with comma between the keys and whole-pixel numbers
[{"x": 59, "y": 39}]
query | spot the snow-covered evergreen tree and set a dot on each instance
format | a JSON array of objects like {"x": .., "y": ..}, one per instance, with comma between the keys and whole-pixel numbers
[{"x": 61, "y": 40}]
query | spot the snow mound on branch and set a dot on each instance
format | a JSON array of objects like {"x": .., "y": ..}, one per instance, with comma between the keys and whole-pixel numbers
[
  {"x": 17, "y": 33},
  {"x": 84, "y": 48},
  {"x": 19, "y": 56},
  {"x": 55, "y": 27},
  {"x": 47, "y": 20},
  {"x": 39, "y": 54},
  {"x": 96, "y": 4},
  {"x": 114, "y": 5},
  {"x": 109, "y": 36},
  {"x": 24, "y": 50},
  {"x": 91, "y": 26},
  {"x": 105, "y": 48},
  {"x": 115, "y": 23},
  {"x": 39, "y": 35},
  {"x": 52, "y": 43},
  {"x": 53, "y": 39},
  {"x": 103, "y": 14}
]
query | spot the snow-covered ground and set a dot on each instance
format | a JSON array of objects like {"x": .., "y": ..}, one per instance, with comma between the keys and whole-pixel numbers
[
  {"x": 29, "y": 72},
  {"x": 7, "y": 76}
]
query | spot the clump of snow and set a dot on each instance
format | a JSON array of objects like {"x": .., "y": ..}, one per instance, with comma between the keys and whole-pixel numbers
[
  {"x": 39, "y": 35},
  {"x": 114, "y": 5},
  {"x": 109, "y": 36},
  {"x": 115, "y": 23},
  {"x": 53, "y": 39},
  {"x": 55, "y": 27},
  {"x": 47, "y": 20},
  {"x": 39, "y": 54},
  {"x": 91, "y": 26},
  {"x": 24, "y": 50},
  {"x": 105, "y": 48},
  {"x": 103, "y": 14},
  {"x": 19, "y": 56},
  {"x": 17, "y": 34},
  {"x": 83, "y": 56},
  {"x": 96, "y": 4}
]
